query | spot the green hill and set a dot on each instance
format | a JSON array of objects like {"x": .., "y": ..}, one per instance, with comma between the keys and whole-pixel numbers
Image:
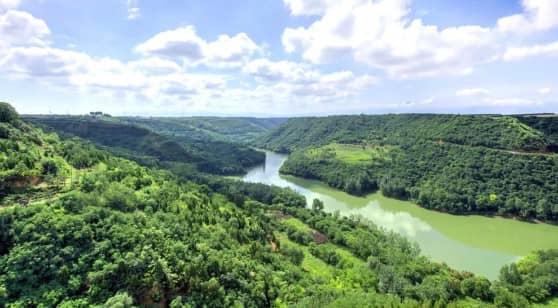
[
  {"x": 459, "y": 164},
  {"x": 234, "y": 129},
  {"x": 499, "y": 132},
  {"x": 136, "y": 142}
]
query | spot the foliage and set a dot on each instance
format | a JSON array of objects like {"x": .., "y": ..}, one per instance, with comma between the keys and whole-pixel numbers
[
  {"x": 234, "y": 129},
  {"x": 150, "y": 148},
  {"x": 502, "y": 132},
  {"x": 455, "y": 164},
  {"x": 116, "y": 234},
  {"x": 7, "y": 113}
]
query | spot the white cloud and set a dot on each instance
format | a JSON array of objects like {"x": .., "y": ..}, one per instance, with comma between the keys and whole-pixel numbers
[
  {"x": 509, "y": 101},
  {"x": 184, "y": 44},
  {"x": 307, "y": 7},
  {"x": 379, "y": 34},
  {"x": 267, "y": 70},
  {"x": 134, "y": 12},
  {"x": 519, "y": 53},
  {"x": 382, "y": 34},
  {"x": 21, "y": 28},
  {"x": 181, "y": 43},
  {"x": 302, "y": 81},
  {"x": 42, "y": 62},
  {"x": 539, "y": 15},
  {"x": 472, "y": 92},
  {"x": 155, "y": 65},
  {"x": 544, "y": 91},
  {"x": 8, "y": 4}
]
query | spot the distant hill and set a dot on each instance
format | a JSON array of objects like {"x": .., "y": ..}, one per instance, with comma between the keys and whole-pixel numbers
[
  {"x": 237, "y": 129},
  {"x": 454, "y": 163},
  {"x": 141, "y": 144},
  {"x": 501, "y": 132}
]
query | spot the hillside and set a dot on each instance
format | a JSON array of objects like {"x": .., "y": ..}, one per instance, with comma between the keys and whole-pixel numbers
[
  {"x": 458, "y": 164},
  {"x": 500, "y": 132},
  {"x": 148, "y": 147},
  {"x": 203, "y": 128},
  {"x": 81, "y": 228},
  {"x": 548, "y": 124}
]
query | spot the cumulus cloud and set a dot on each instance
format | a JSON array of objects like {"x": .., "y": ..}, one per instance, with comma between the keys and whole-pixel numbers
[
  {"x": 184, "y": 44},
  {"x": 154, "y": 65},
  {"x": 268, "y": 70},
  {"x": 26, "y": 54},
  {"x": 8, "y": 4},
  {"x": 472, "y": 92},
  {"x": 544, "y": 91},
  {"x": 519, "y": 53},
  {"x": 302, "y": 80},
  {"x": 307, "y": 7},
  {"x": 21, "y": 28},
  {"x": 538, "y": 15},
  {"x": 381, "y": 34}
]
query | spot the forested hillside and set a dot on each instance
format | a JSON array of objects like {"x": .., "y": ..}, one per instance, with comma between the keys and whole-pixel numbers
[
  {"x": 547, "y": 123},
  {"x": 500, "y": 132},
  {"x": 150, "y": 148},
  {"x": 203, "y": 128},
  {"x": 459, "y": 164},
  {"x": 79, "y": 228}
]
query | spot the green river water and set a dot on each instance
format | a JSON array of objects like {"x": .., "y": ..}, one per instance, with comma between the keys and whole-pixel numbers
[{"x": 474, "y": 243}]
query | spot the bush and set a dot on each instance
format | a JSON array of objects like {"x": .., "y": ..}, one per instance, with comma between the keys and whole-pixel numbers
[
  {"x": 7, "y": 113},
  {"x": 49, "y": 167}
]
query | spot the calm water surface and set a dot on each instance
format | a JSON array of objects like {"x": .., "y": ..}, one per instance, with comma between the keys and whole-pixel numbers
[{"x": 474, "y": 243}]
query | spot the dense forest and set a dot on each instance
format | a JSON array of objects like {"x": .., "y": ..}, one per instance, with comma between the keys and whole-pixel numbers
[
  {"x": 80, "y": 227},
  {"x": 228, "y": 129},
  {"x": 201, "y": 151},
  {"x": 458, "y": 164}
]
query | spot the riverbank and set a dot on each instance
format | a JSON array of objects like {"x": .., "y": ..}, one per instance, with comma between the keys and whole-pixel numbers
[{"x": 478, "y": 244}]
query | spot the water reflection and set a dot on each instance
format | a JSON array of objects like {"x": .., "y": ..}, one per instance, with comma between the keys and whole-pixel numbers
[{"x": 433, "y": 243}]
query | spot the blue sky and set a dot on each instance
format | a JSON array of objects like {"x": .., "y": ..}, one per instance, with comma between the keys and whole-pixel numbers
[{"x": 279, "y": 57}]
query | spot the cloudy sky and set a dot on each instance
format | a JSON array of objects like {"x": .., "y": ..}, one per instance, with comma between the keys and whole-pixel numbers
[{"x": 279, "y": 57}]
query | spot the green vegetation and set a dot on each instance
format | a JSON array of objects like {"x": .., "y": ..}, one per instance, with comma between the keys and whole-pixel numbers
[
  {"x": 227, "y": 129},
  {"x": 152, "y": 149},
  {"x": 499, "y": 132},
  {"x": 112, "y": 233},
  {"x": 548, "y": 124},
  {"x": 456, "y": 164}
]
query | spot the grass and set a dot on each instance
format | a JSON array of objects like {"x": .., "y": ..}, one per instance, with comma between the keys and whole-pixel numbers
[
  {"x": 313, "y": 265},
  {"x": 317, "y": 267},
  {"x": 296, "y": 223},
  {"x": 351, "y": 153}
]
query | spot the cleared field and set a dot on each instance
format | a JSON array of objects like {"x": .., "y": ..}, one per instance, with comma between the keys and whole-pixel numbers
[{"x": 351, "y": 153}]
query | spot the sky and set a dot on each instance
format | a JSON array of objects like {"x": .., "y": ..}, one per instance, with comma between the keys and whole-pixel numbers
[{"x": 279, "y": 57}]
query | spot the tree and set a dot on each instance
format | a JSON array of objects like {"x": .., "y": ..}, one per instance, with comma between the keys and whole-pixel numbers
[
  {"x": 317, "y": 205},
  {"x": 49, "y": 167},
  {"x": 120, "y": 300},
  {"x": 7, "y": 113}
]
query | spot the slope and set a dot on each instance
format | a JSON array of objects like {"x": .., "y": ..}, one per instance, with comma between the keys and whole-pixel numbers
[
  {"x": 148, "y": 147},
  {"x": 458, "y": 164}
]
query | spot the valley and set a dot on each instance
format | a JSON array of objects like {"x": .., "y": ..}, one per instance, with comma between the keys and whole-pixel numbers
[
  {"x": 474, "y": 243},
  {"x": 108, "y": 211}
]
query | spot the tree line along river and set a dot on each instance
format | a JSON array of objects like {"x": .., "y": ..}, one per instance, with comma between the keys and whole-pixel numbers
[{"x": 478, "y": 244}]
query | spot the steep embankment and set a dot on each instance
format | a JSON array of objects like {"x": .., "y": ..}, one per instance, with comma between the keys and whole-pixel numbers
[
  {"x": 148, "y": 147},
  {"x": 458, "y": 164}
]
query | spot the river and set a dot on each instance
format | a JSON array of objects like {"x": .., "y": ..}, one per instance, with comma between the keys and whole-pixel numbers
[{"x": 478, "y": 244}]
